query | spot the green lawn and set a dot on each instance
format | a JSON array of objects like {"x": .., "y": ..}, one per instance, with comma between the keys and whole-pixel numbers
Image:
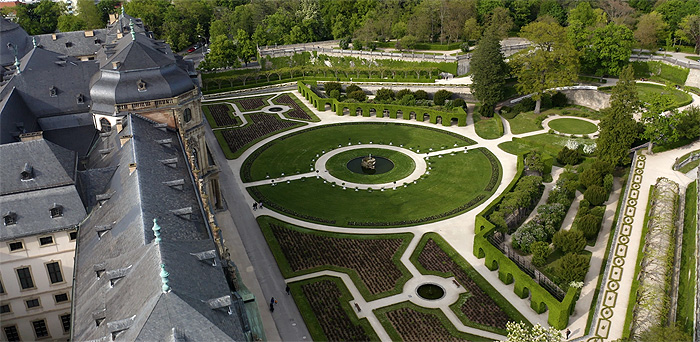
[
  {"x": 572, "y": 126},
  {"x": 660, "y": 72},
  {"x": 687, "y": 285},
  {"x": 296, "y": 153},
  {"x": 488, "y": 128},
  {"x": 548, "y": 143},
  {"x": 456, "y": 183},
  {"x": 525, "y": 122},
  {"x": 403, "y": 166},
  {"x": 573, "y": 110},
  {"x": 647, "y": 91},
  {"x": 691, "y": 165}
]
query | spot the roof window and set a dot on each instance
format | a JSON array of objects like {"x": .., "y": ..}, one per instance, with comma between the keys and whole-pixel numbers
[
  {"x": 142, "y": 85},
  {"x": 27, "y": 172},
  {"x": 10, "y": 218},
  {"x": 56, "y": 210},
  {"x": 80, "y": 98},
  {"x": 53, "y": 92}
]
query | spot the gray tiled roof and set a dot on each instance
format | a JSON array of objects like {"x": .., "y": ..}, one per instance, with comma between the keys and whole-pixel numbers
[
  {"x": 15, "y": 117},
  {"x": 76, "y": 43},
  {"x": 52, "y": 166},
  {"x": 14, "y": 34},
  {"x": 33, "y": 215},
  {"x": 125, "y": 239}
]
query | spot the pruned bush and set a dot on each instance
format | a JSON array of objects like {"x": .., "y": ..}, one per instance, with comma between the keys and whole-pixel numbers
[
  {"x": 330, "y": 86},
  {"x": 527, "y": 234},
  {"x": 420, "y": 94},
  {"x": 407, "y": 100},
  {"x": 533, "y": 162},
  {"x": 335, "y": 93},
  {"x": 384, "y": 94},
  {"x": 540, "y": 253},
  {"x": 441, "y": 96},
  {"x": 403, "y": 92},
  {"x": 358, "y": 95},
  {"x": 458, "y": 103},
  {"x": 569, "y": 241},
  {"x": 559, "y": 99},
  {"x": 569, "y": 156},
  {"x": 353, "y": 87},
  {"x": 589, "y": 225},
  {"x": 608, "y": 183},
  {"x": 572, "y": 267},
  {"x": 596, "y": 195}
]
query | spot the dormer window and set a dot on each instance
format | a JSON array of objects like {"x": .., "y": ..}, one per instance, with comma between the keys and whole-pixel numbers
[
  {"x": 10, "y": 218},
  {"x": 53, "y": 92},
  {"x": 69, "y": 44},
  {"x": 27, "y": 172},
  {"x": 56, "y": 211},
  {"x": 142, "y": 85},
  {"x": 80, "y": 99},
  {"x": 98, "y": 41}
]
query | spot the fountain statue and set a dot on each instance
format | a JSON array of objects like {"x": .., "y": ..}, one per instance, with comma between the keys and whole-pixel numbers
[{"x": 368, "y": 162}]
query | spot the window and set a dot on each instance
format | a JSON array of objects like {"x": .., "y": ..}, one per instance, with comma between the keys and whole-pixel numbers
[
  {"x": 16, "y": 246},
  {"x": 61, "y": 297},
  {"x": 40, "y": 328},
  {"x": 27, "y": 172},
  {"x": 54, "y": 272},
  {"x": 53, "y": 92},
  {"x": 142, "y": 85},
  {"x": 80, "y": 99},
  {"x": 25, "y": 278},
  {"x": 46, "y": 240},
  {"x": 187, "y": 115},
  {"x": 5, "y": 308},
  {"x": 11, "y": 333},
  {"x": 73, "y": 235},
  {"x": 10, "y": 218},
  {"x": 56, "y": 211},
  {"x": 65, "y": 321},
  {"x": 32, "y": 303}
]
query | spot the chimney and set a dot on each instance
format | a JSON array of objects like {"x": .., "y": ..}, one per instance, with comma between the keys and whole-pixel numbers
[
  {"x": 53, "y": 36},
  {"x": 38, "y": 135},
  {"x": 89, "y": 33},
  {"x": 132, "y": 168}
]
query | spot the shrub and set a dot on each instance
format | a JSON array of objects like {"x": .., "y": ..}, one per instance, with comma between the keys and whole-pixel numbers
[
  {"x": 569, "y": 241},
  {"x": 420, "y": 94},
  {"x": 559, "y": 99},
  {"x": 533, "y": 162},
  {"x": 345, "y": 43},
  {"x": 403, "y": 92},
  {"x": 357, "y": 44},
  {"x": 384, "y": 94},
  {"x": 590, "y": 177},
  {"x": 569, "y": 156},
  {"x": 407, "y": 100},
  {"x": 589, "y": 225},
  {"x": 527, "y": 234},
  {"x": 335, "y": 94},
  {"x": 540, "y": 253},
  {"x": 440, "y": 96},
  {"x": 595, "y": 194},
  {"x": 572, "y": 267},
  {"x": 352, "y": 87},
  {"x": 464, "y": 47},
  {"x": 458, "y": 103},
  {"x": 358, "y": 95},
  {"x": 330, "y": 86},
  {"x": 608, "y": 183}
]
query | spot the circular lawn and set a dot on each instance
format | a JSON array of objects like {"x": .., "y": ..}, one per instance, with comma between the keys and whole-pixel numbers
[
  {"x": 403, "y": 166},
  {"x": 573, "y": 126}
]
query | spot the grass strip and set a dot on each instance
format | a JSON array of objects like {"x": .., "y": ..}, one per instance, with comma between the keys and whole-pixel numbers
[{"x": 687, "y": 287}]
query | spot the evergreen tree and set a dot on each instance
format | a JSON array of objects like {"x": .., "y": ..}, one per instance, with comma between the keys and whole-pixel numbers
[
  {"x": 489, "y": 71},
  {"x": 617, "y": 128}
]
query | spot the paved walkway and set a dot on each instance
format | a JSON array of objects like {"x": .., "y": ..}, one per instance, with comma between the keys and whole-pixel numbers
[{"x": 458, "y": 231}]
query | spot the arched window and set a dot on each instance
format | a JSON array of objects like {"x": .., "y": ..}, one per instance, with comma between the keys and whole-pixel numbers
[{"x": 188, "y": 115}]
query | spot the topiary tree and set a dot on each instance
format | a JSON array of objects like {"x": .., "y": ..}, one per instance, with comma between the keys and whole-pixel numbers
[
  {"x": 569, "y": 241},
  {"x": 420, "y": 94},
  {"x": 403, "y": 92},
  {"x": 595, "y": 194},
  {"x": 540, "y": 253},
  {"x": 335, "y": 93},
  {"x": 440, "y": 96},
  {"x": 384, "y": 94},
  {"x": 330, "y": 86},
  {"x": 353, "y": 87},
  {"x": 567, "y": 156},
  {"x": 589, "y": 225},
  {"x": 459, "y": 103},
  {"x": 572, "y": 267},
  {"x": 358, "y": 95}
]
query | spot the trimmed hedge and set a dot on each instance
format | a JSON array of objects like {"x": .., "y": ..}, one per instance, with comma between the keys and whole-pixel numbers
[{"x": 320, "y": 103}]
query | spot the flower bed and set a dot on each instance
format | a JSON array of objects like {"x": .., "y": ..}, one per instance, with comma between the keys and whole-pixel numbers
[
  {"x": 252, "y": 103},
  {"x": 221, "y": 115},
  {"x": 408, "y": 322},
  {"x": 297, "y": 112},
  {"x": 259, "y": 125}
]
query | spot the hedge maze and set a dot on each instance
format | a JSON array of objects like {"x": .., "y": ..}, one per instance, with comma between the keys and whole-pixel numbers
[{"x": 259, "y": 125}]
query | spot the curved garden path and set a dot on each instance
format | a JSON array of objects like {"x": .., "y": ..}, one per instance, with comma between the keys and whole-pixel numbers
[{"x": 245, "y": 239}]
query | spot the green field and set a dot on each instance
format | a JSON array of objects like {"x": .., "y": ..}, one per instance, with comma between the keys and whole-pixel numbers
[
  {"x": 403, "y": 166},
  {"x": 297, "y": 153},
  {"x": 456, "y": 183},
  {"x": 648, "y": 91},
  {"x": 572, "y": 126},
  {"x": 687, "y": 285},
  {"x": 547, "y": 143},
  {"x": 488, "y": 128},
  {"x": 525, "y": 122}
]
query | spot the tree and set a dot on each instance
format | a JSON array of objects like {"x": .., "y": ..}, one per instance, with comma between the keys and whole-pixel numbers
[
  {"x": 69, "y": 22},
  {"x": 650, "y": 30},
  {"x": 107, "y": 7},
  {"x": 596, "y": 195},
  {"x": 568, "y": 156},
  {"x": 611, "y": 47},
  {"x": 471, "y": 29},
  {"x": 572, "y": 267},
  {"x": 520, "y": 332},
  {"x": 618, "y": 127},
  {"x": 441, "y": 96},
  {"x": 88, "y": 13},
  {"x": 330, "y": 86},
  {"x": 553, "y": 9},
  {"x": 589, "y": 224},
  {"x": 660, "y": 127},
  {"x": 246, "y": 49},
  {"x": 689, "y": 123},
  {"x": 152, "y": 12},
  {"x": 619, "y": 11},
  {"x": 690, "y": 30},
  {"x": 551, "y": 61},
  {"x": 540, "y": 253},
  {"x": 40, "y": 17},
  {"x": 674, "y": 11},
  {"x": 223, "y": 53},
  {"x": 408, "y": 42},
  {"x": 500, "y": 21},
  {"x": 358, "y": 95},
  {"x": 384, "y": 94},
  {"x": 489, "y": 72},
  {"x": 569, "y": 241}
]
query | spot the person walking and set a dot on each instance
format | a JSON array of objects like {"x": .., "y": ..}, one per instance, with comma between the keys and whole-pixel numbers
[
  {"x": 568, "y": 332},
  {"x": 255, "y": 206},
  {"x": 272, "y": 307},
  {"x": 287, "y": 289},
  {"x": 272, "y": 301},
  {"x": 260, "y": 206}
]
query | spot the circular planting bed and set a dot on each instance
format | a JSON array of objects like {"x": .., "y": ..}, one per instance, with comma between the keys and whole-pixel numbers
[
  {"x": 430, "y": 291},
  {"x": 391, "y": 166},
  {"x": 573, "y": 126},
  {"x": 453, "y": 183},
  {"x": 275, "y": 109}
]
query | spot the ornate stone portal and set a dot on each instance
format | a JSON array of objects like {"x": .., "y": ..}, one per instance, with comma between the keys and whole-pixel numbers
[{"x": 368, "y": 162}]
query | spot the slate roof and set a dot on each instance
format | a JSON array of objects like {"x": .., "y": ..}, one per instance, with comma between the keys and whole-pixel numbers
[
  {"x": 13, "y": 34},
  {"x": 15, "y": 117},
  {"x": 52, "y": 166},
  {"x": 116, "y": 241},
  {"x": 76, "y": 43}
]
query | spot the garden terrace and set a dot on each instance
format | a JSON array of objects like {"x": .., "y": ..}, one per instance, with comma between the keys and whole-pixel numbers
[
  {"x": 259, "y": 126},
  {"x": 647, "y": 91},
  {"x": 409, "y": 322},
  {"x": 371, "y": 260},
  {"x": 249, "y": 104},
  {"x": 328, "y": 299},
  {"x": 297, "y": 111},
  {"x": 221, "y": 113}
]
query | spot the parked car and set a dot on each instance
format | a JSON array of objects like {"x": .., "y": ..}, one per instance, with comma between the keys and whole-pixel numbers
[{"x": 191, "y": 49}]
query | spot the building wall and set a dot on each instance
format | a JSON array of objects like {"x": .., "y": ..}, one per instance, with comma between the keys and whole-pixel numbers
[{"x": 36, "y": 257}]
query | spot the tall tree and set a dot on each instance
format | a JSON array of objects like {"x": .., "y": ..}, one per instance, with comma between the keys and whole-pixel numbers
[
  {"x": 152, "y": 12},
  {"x": 499, "y": 19},
  {"x": 489, "y": 71},
  {"x": 553, "y": 9},
  {"x": 245, "y": 46},
  {"x": 551, "y": 61},
  {"x": 88, "y": 13},
  {"x": 107, "y": 7},
  {"x": 40, "y": 17},
  {"x": 611, "y": 47},
  {"x": 690, "y": 30},
  {"x": 617, "y": 127},
  {"x": 650, "y": 30}
]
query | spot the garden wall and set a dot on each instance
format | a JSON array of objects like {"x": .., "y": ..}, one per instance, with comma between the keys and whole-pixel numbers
[
  {"x": 590, "y": 98},
  {"x": 459, "y": 116},
  {"x": 540, "y": 299}
]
